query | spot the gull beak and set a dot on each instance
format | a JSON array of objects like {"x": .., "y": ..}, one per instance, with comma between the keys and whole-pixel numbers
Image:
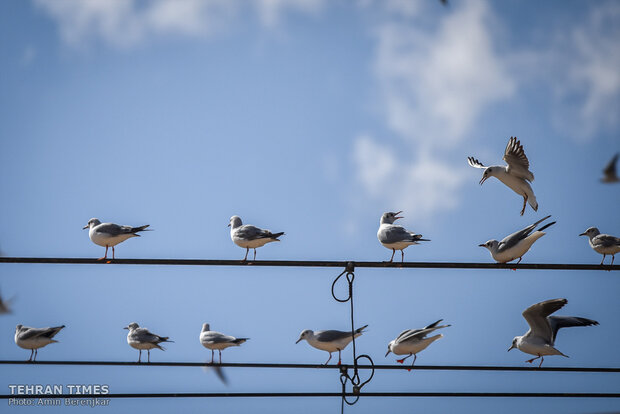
[
  {"x": 396, "y": 215},
  {"x": 483, "y": 179},
  {"x": 582, "y": 234},
  {"x": 300, "y": 338},
  {"x": 511, "y": 347},
  {"x": 228, "y": 225},
  {"x": 126, "y": 327},
  {"x": 482, "y": 245},
  {"x": 386, "y": 354},
  {"x": 85, "y": 227}
]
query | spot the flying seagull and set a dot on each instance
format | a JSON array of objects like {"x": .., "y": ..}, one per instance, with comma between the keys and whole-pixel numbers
[
  {"x": 540, "y": 338},
  {"x": 603, "y": 243},
  {"x": 395, "y": 237},
  {"x": 517, "y": 244},
  {"x": 35, "y": 338},
  {"x": 110, "y": 234},
  {"x": 250, "y": 237},
  {"x": 413, "y": 341},
  {"x": 141, "y": 338},
  {"x": 515, "y": 175},
  {"x": 611, "y": 176},
  {"x": 330, "y": 341},
  {"x": 214, "y": 340}
]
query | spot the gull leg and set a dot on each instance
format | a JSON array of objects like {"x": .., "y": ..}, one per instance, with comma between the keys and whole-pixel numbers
[
  {"x": 402, "y": 254},
  {"x": 140, "y": 355},
  {"x": 542, "y": 358},
  {"x": 392, "y": 258},
  {"x": 105, "y": 256},
  {"x": 31, "y": 354},
  {"x": 529, "y": 361},
  {"x": 401, "y": 361},
  {"x": 524, "y": 204},
  {"x": 212, "y": 353},
  {"x": 613, "y": 256},
  {"x": 220, "y": 351},
  {"x": 36, "y": 351},
  {"x": 247, "y": 250},
  {"x": 339, "y": 359},
  {"x": 414, "y": 358},
  {"x": 330, "y": 357},
  {"x": 148, "y": 353},
  {"x": 254, "y": 253},
  {"x": 112, "y": 252},
  {"x": 603, "y": 259}
]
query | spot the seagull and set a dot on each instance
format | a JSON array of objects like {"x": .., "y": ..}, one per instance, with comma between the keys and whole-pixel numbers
[
  {"x": 110, "y": 234},
  {"x": 250, "y": 237},
  {"x": 517, "y": 244},
  {"x": 395, "y": 237},
  {"x": 35, "y": 338},
  {"x": 540, "y": 338},
  {"x": 413, "y": 341},
  {"x": 611, "y": 176},
  {"x": 330, "y": 341},
  {"x": 214, "y": 340},
  {"x": 515, "y": 175},
  {"x": 5, "y": 305},
  {"x": 141, "y": 338},
  {"x": 603, "y": 243}
]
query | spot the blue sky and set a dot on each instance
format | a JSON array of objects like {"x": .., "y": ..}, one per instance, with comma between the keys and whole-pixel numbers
[{"x": 313, "y": 118}]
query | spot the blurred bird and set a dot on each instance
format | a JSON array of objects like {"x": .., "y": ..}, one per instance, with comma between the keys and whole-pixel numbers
[
  {"x": 214, "y": 340},
  {"x": 110, "y": 234},
  {"x": 413, "y": 341},
  {"x": 250, "y": 237},
  {"x": 35, "y": 338},
  {"x": 140, "y": 338},
  {"x": 517, "y": 244},
  {"x": 514, "y": 175},
  {"x": 539, "y": 340},
  {"x": 603, "y": 243},
  {"x": 395, "y": 237},
  {"x": 610, "y": 171},
  {"x": 330, "y": 341},
  {"x": 5, "y": 305}
]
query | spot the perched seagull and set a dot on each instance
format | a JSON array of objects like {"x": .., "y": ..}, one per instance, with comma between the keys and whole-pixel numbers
[
  {"x": 540, "y": 338},
  {"x": 515, "y": 175},
  {"x": 603, "y": 243},
  {"x": 141, "y": 338},
  {"x": 395, "y": 237},
  {"x": 214, "y": 340},
  {"x": 250, "y": 237},
  {"x": 110, "y": 234},
  {"x": 330, "y": 341},
  {"x": 517, "y": 244},
  {"x": 610, "y": 171},
  {"x": 413, "y": 341},
  {"x": 35, "y": 338}
]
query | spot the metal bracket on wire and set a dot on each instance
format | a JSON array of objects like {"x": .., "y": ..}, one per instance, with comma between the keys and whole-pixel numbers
[{"x": 356, "y": 382}]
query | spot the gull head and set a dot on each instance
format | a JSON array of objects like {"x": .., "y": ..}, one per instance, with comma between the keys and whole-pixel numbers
[
  {"x": 92, "y": 223},
  {"x": 514, "y": 343},
  {"x": 389, "y": 348},
  {"x": 488, "y": 172},
  {"x": 18, "y": 328},
  {"x": 390, "y": 217},
  {"x": 132, "y": 326},
  {"x": 305, "y": 335},
  {"x": 591, "y": 232},
  {"x": 205, "y": 327},
  {"x": 491, "y": 245},
  {"x": 235, "y": 221}
]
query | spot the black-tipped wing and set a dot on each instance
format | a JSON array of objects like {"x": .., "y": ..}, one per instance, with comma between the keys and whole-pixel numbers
[
  {"x": 610, "y": 169},
  {"x": 514, "y": 238},
  {"x": 331, "y": 335},
  {"x": 115, "y": 230},
  {"x": 250, "y": 232},
  {"x": 536, "y": 316},
  {"x": 517, "y": 161},
  {"x": 475, "y": 163},
  {"x": 558, "y": 322},
  {"x": 40, "y": 332}
]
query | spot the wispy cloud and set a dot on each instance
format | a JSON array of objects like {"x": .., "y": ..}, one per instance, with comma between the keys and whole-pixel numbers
[{"x": 435, "y": 82}]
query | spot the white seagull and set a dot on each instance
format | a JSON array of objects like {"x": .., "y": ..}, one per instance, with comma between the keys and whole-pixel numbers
[
  {"x": 540, "y": 338},
  {"x": 517, "y": 244},
  {"x": 214, "y": 340},
  {"x": 603, "y": 243},
  {"x": 395, "y": 237},
  {"x": 250, "y": 237},
  {"x": 330, "y": 341},
  {"x": 611, "y": 176},
  {"x": 515, "y": 175},
  {"x": 35, "y": 338},
  {"x": 140, "y": 338},
  {"x": 413, "y": 341},
  {"x": 110, "y": 234}
]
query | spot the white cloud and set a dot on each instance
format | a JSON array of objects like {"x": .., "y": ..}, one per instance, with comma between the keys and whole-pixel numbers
[
  {"x": 435, "y": 81},
  {"x": 270, "y": 11}
]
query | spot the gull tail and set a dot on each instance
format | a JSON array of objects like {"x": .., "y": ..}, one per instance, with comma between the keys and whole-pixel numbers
[
  {"x": 546, "y": 226},
  {"x": 276, "y": 235},
  {"x": 239, "y": 341},
  {"x": 141, "y": 228},
  {"x": 531, "y": 199}
]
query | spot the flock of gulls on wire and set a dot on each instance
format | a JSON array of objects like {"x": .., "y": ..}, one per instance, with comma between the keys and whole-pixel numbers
[{"x": 539, "y": 340}]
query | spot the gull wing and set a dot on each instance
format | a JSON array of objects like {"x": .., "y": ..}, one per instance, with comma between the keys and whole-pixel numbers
[
  {"x": 605, "y": 240},
  {"x": 475, "y": 163},
  {"x": 217, "y": 338},
  {"x": 331, "y": 335},
  {"x": 418, "y": 334},
  {"x": 536, "y": 317},
  {"x": 144, "y": 335},
  {"x": 610, "y": 169},
  {"x": 558, "y": 322},
  {"x": 30, "y": 333},
  {"x": 250, "y": 232},
  {"x": 514, "y": 238},
  {"x": 518, "y": 164},
  {"x": 394, "y": 234}
]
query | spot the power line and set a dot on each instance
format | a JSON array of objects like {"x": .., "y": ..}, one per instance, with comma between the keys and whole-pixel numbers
[
  {"x": 311, "y": 263},
  {"x": 317, "y": 366}
]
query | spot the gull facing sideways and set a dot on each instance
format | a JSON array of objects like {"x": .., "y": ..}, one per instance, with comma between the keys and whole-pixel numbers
[
  {"x": 214, "y": 340},
  {"x": 250, "y": 237},
  {"x": 330, "y": 341},
  {"x": 413, "y": 341},
  {"x": 602, "y": 243},
  {"x": 140, "y": 338},
  {"x": 539, "y": 340},
  {"x": 35, "y": 338},
  {"x": 517, "y": 244},
  {"x": 110, "y": 234},
  {"x": 395, "y": 237},
  {"x": 515, "y": 175}
]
